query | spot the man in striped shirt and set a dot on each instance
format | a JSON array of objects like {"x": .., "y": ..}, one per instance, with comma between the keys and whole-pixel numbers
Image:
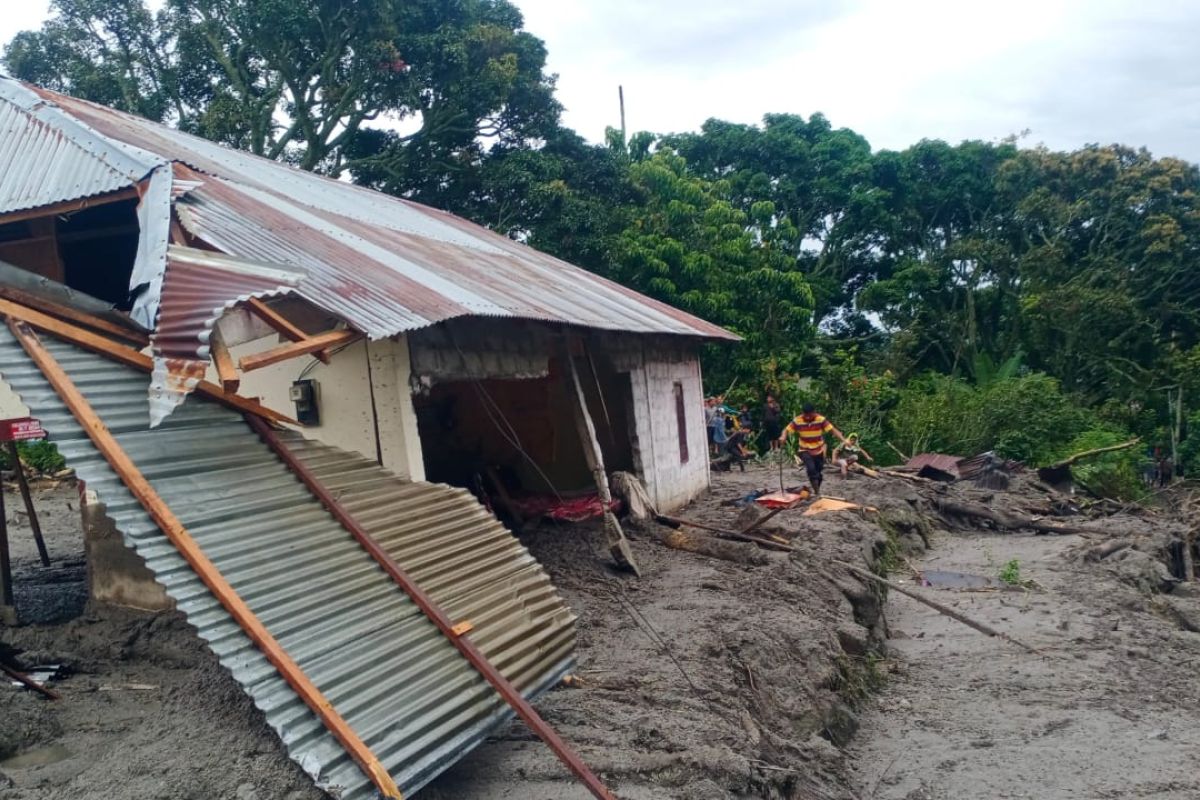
[{"x": 811, "y": 427}]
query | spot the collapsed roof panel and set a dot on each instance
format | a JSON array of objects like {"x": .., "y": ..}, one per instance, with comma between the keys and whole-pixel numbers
[{"x": 389, "y": 673}]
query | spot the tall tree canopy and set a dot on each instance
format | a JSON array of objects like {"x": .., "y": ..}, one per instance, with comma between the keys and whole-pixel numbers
[{"x": 311, "y": 81}]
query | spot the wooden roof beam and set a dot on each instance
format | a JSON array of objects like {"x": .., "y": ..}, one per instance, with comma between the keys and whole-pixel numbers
[
  {"x": 282, "y": 325},
  {"x": 131, "y": 358},
  {"x": 311, "y": 344},
  {"x": 69, "y": 206}
]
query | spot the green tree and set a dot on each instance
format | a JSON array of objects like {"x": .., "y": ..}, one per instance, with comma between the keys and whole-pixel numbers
[{"x": 305, "y": 80}]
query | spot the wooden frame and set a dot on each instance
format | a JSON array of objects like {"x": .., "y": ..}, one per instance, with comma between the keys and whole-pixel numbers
[
  {"x": 131, "y": 358},
  {"x": 281, "y": 324},
  {"x": 70, "y": 206},
  {"x": 310, "y": 344}
]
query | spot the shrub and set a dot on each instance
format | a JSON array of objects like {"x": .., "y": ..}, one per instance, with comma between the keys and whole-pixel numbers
[{"x": 40, "y": 455}]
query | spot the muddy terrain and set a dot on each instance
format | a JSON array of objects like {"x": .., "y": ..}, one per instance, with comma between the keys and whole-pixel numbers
[{"x": 759, "y": 675}]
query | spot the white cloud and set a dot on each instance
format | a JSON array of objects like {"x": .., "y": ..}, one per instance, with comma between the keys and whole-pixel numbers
[{"x": 1071, "y": 71}]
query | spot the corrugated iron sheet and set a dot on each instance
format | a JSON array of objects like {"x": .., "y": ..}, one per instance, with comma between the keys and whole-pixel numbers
[
  {"x": 461, "y": 555},
  {"x": 45, "y": 157},
  {"x": 199, "y": 287},
  {"x": 383, "y": 264},
  {"x": 388, "y": 671},
  {"x": 939, "y": 461}
]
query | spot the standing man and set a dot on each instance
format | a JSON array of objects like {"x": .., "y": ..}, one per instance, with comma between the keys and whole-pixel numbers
[
  {"x": 772, "y": 421},
  {"x": 811, "y": 427}
]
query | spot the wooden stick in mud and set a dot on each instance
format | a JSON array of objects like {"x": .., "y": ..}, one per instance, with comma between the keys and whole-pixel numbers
[
  {"x": 21, "y": 677},
  {"x": 897, "y": 451},
  {"x": 938, "y": 607},
  {"x": 724, "y": 533}
]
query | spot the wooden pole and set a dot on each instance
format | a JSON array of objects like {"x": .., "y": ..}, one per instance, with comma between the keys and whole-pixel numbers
[
  {"x": 433, "y": 611},
  {"x": 936, "y": 606},
  {"x": 22, "y": 678},
  {"x": 8, "y": 604},
  {"x": 179, "y": 536},
  {"x": 29, "y": 509},
  {"x": 618, "y": 545},
  {"x": 222, "y": 359}
]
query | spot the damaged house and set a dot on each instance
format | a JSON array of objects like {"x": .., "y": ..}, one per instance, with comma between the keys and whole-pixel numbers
[{"x": 172, "y": 304}]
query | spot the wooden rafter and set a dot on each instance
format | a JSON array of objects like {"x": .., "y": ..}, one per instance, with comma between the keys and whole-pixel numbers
[
  {"x": 130, "y": 357},
  {"x": 69, "y": 206},
  {"x": 204, "y": 568},
  {"x": 310, "y": 344},
  {"x": 72, "y": 315},
  {"x": 282, "y": 325},
  {"x": 223, "y": 360}
]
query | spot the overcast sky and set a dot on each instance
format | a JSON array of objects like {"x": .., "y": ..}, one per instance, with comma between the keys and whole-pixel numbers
[{"x": 1069, "y": 71}]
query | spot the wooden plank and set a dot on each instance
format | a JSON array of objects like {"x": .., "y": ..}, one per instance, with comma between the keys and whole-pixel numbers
[
  {"x": 312, "y": 344},
  {"x": 72, "y": 315},
  {"x": 69, "y": 206},
  {"x": 226, "y": 370},
  {"x": 179, "y": 536},
  {"x": 131, "y": 358},
  {"x": 435, "y": 613},
  {"x": 282, "y": 325}
]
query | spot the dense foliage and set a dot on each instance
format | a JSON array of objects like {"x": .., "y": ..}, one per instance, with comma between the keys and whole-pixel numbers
[{"x": 947, "y": 297}]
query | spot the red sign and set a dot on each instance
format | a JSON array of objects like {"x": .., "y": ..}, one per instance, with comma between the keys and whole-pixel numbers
[{"x": 20, "y": 430}]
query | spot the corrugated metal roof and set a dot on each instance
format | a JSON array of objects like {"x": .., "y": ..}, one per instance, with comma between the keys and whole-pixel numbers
[
  {"x": 383, "y": 264},
  {"x": 200, "y": 286},
  {"x": 461, "y": 555},
  {"x": 938, "y": 461},
  {"x": 400, "y": 684},
  {"x": 45, "y": 157}
]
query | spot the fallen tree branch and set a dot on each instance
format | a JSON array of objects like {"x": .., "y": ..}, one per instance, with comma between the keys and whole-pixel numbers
[
  {"x": 724, "y": 533},
  {"x": 713, "y": 548},
  {"x": 1004, "y": 520},
  {"x": 936, "y": 606},
  {"x": 1089, "y": 453},
  {"x": 898, "y": 452}
]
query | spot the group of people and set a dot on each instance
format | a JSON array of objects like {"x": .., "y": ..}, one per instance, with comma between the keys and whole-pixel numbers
[{"x": 729, "y": 432}]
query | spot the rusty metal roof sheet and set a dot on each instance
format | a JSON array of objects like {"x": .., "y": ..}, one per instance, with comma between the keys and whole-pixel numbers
[
  {"x": 388, "y": 671},
  {"x": 383, "y": 264},
  {"x": 939, "y": 461}
]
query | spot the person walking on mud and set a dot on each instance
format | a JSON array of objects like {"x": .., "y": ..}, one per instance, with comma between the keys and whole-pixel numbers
[
  {"x": 811, "y": 428},
  {"x": 772, "y": 416}
]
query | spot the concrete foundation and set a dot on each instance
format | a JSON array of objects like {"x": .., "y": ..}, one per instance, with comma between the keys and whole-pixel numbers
[{"x": 116, "y": 574}]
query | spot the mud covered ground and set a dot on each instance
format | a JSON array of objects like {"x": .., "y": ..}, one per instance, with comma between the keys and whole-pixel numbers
[
  {"x": 705, "y": 678},
  {"x": 761, "y": 677},
  {"x": 1109, "y": 706}
]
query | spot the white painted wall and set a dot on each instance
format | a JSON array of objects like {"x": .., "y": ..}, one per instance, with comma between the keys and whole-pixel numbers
[
  {"x": 345, "y": 387},
  {"x": 669, "y": 481}
]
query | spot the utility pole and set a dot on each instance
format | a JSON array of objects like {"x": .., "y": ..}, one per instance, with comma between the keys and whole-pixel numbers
[{"x": 621, "y": 97}]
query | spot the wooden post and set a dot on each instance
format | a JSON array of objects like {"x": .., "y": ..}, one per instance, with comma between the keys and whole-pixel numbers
[
  {"x": 8, "y": 605},
  {"x": 29, "y": 509},
  {"x": 226, "y": 369},
  {"x": 179, "y": 536},
  {"x": 618, "y": 545},
  {"x": 456, "y": 633}
]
